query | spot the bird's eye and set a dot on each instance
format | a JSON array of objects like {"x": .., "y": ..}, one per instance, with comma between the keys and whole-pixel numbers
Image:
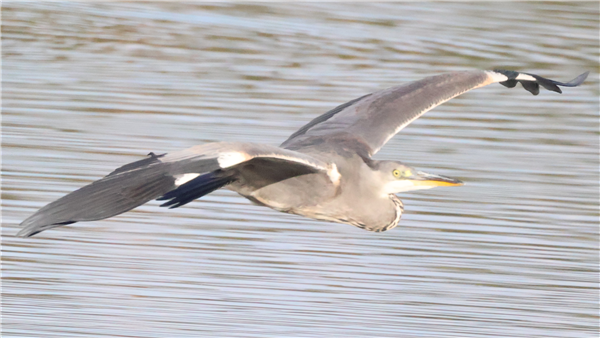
[{"x": 396, "y": 173}]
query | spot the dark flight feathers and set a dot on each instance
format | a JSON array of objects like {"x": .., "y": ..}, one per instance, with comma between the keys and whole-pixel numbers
[
  {"x": 196, "y": 188},
  {"x": 534, "y": 87}
]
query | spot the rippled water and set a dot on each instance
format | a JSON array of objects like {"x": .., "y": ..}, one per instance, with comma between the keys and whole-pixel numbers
[{"x": 89, "y": 87}]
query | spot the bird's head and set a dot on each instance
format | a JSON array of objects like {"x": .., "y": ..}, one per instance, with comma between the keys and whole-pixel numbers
[{"x": 398, "y": 177}]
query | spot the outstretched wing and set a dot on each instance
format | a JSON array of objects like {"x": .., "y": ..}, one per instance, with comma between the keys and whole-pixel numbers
[
  {"x": 178, "y": 177},
  {"x": 367, "y": 123}
]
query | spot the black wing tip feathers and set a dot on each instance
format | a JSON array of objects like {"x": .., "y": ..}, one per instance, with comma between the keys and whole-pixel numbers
[{"x": 534, "y": 86}]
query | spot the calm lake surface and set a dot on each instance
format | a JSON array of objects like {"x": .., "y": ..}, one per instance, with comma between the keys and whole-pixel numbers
[{"x": 87, "y": 87}]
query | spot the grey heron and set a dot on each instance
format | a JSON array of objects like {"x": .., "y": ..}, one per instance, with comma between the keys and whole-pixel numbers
[{"x": 324, "y": 170}]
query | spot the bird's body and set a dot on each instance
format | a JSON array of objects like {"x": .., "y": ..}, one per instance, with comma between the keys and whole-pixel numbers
[
  {"x": 324, "y": 170},
  {"x": 345, "y": 199}
]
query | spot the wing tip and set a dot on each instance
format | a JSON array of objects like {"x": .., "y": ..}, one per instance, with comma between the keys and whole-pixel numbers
[
  {"x": 578, "y": 80},
  {"x": 532, "y": 82},
  {"x": 24, "y": 233},
  {"x": 32, "y": 228},
  {"x": 29, "y": 227}
]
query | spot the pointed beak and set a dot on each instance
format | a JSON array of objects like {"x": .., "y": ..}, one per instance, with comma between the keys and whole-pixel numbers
[{"x": 431, "y": 180}]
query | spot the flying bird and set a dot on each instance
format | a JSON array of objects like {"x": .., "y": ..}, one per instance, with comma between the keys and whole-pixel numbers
[{"x": 323, "y": 171}]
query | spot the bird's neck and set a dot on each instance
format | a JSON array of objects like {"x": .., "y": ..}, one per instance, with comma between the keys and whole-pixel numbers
[{"x": 399, "y": 208}]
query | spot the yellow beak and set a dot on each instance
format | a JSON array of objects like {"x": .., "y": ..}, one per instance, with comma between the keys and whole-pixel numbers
[{"x": 431, "y": 180}]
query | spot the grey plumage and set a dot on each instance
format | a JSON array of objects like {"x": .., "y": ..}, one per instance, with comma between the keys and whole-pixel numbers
[{"x": 323, "y": 171}]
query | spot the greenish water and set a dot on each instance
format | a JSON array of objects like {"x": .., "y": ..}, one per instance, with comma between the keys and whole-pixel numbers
[{"x": 87, "y": 87}]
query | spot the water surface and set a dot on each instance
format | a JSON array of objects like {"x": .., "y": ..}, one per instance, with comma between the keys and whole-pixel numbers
[{"x": 88, "y": 87}]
